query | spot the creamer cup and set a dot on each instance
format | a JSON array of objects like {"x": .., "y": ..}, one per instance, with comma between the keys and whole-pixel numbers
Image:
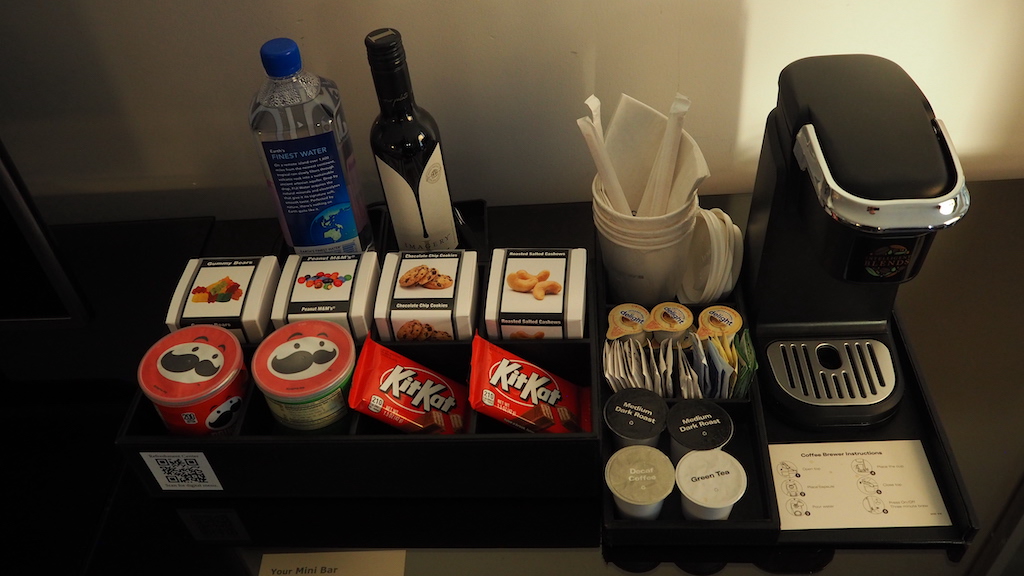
[
  {"x": 627, "y": 321},
  {"x": 304, "y": 370},
  {"x": 195, "y": 378},
  {"x": 669, "y": 321}
]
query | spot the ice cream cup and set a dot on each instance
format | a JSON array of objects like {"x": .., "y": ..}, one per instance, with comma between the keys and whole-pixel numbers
[
  {"x": 711, "y": 482},
  {"x": 639, "y": 478},
  {"x": 196, "y": 379}
]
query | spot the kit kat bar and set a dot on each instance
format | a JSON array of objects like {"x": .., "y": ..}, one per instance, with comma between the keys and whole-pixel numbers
[
  {"x": 537, "y": 418},
  {"x": 569, "y": 419}
]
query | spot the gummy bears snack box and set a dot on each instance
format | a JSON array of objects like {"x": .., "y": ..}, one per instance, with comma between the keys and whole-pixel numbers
[
  {"x": 524, "y": 395},
  {"x": 338, "y": 288},
  {"x": 233, "y": 293}
]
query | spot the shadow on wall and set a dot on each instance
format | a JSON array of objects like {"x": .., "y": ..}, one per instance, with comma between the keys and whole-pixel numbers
[
  {"x": 647, "y": 50},
  {"x": 40, "y": 101}
]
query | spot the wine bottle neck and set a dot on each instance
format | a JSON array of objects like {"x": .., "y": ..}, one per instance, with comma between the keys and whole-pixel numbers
[{"x": 394, "y": 91}]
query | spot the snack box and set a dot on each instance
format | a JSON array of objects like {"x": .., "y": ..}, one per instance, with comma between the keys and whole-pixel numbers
[
  {"x": 536, "y": 294},
  {"x": 427, "y": 296},
  {"x": 337, "y": 288},
  {"x": 233, "y": 293}
]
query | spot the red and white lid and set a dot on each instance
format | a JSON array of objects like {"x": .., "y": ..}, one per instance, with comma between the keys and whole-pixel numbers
[
  {"x": 303, "y": 359},
  {"x": 190, "y": 365}
]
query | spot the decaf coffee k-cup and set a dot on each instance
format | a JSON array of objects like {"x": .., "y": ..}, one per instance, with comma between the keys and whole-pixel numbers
[
  {"x": 635, "y": 416},
  {"x": 639, "y": 478},
  {"x": 698, "y": 425},
  {"x": 195, "y": 378}
]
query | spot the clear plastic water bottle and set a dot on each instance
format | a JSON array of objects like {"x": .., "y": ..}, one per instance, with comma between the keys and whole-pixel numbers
[{"x": 307, "y": 156}]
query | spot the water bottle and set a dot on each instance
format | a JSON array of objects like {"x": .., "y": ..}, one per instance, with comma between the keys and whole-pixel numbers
[{"x": 304, "y": 142}]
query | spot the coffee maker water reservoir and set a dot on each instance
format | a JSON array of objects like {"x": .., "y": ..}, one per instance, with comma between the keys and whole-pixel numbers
[{"x": 855, "y": 177}]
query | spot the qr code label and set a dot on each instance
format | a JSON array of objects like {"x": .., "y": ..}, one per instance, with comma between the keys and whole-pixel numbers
[{"x": 181, "y": 471}]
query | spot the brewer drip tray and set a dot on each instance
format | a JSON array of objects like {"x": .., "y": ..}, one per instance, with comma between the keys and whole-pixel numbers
[{"x": 836, "y": 372}]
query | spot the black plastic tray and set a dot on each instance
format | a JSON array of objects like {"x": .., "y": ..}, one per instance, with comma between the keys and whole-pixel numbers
[{"x": 361, "y": 457}]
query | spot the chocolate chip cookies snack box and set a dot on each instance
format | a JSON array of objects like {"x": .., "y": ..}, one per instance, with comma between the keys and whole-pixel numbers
[
  {"x": 536, "y": 294},
  {"x": 402, "y": 393},
  {"x": 426, "y": 296},
  {"x": 233, "y": 293},
  {"x": 337, "y": 288},
  {"x": 523, "y": 395}
]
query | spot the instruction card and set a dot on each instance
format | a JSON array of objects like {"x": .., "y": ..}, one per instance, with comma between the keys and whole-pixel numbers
[{"x": 855, "y": 485}]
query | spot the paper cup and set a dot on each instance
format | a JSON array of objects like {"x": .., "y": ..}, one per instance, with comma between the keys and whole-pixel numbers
[
  {"x": 697, "y": 425},
  {"x": 639, "y": 478},
  {"x": 635, "y": 416},
  {"x": 646, "y": 276},
  {"x": 711, "y": 482}
]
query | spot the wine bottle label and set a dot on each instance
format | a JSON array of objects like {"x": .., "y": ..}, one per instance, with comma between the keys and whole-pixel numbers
[
  {"x": 310, "y": 186},
  {"x": 421, "y": 216}
]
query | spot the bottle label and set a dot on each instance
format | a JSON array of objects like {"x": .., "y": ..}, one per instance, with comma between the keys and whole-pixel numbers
[
  {"x": 422, "y": 217},
  {"x": 314, "y": 199}
]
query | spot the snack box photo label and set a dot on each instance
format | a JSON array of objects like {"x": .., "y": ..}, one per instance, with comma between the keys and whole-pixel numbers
[
  {"x": 426, "y": 296},
  {"x": 404, "y": 394},
  {"x": 233, "y": 293},
  {"x": 510, "y": 389},
  {"x": 536, "y": 294},
  {"x": 337, "y": 288}
]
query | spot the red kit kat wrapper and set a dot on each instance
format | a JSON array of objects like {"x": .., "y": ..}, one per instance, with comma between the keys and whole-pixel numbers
[
  {"x": 409, "y": 396},
  {"x": 523, "y": 395}
]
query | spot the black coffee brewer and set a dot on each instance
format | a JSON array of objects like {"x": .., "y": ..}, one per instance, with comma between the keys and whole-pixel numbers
[{"x": 855, "y": 177}]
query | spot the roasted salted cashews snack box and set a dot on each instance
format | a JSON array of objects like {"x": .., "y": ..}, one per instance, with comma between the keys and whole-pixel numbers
[
  {"x": 426, "y": 296},
  {"x": 391, "y": 388},
  {"x": 536, "y": 294},
  {"x": 524, "y": 395},
  {"x": 233, "y": 293},
  {"x": 337, "y": 288}
]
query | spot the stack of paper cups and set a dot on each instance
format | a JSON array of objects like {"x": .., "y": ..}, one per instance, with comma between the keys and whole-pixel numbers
[{"x": 643, "y": 256}]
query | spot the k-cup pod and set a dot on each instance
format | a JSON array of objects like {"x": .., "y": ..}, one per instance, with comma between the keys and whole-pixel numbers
[
  {"x": 711, "y": 482},
  {"x": 635, "y": 416},
  {"x": 304, "y": 370},
  {"x": 195, "y": 378},
  {"x": 698, "y": 425},
  {"x": 639, "y": 478}
]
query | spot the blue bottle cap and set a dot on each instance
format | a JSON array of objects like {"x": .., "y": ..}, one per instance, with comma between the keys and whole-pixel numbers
[{"x": 281, "y": 57}]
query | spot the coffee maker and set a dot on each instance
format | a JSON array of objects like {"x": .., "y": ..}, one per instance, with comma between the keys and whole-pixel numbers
[{"x": 855, "y": 177}]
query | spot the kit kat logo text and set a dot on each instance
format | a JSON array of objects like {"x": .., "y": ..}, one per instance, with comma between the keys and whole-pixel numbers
[
  {"x": 426, "y": 393},
  {"x": 531, "y": 384}
]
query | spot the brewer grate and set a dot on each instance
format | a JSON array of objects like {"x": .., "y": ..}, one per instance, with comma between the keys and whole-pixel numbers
[{"x": 833, "y": 372}]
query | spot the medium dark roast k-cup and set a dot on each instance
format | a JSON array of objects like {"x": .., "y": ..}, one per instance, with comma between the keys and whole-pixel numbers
[
  {"x": 635, "y": 416},
  {"x": 698, "y": 425}
]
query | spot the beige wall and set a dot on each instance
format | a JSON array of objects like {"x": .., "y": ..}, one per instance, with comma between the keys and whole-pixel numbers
[{"x": 149, "y": 98}]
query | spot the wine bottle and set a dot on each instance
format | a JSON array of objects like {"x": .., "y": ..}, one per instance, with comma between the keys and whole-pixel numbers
[{"x": 406, "y": 145}]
